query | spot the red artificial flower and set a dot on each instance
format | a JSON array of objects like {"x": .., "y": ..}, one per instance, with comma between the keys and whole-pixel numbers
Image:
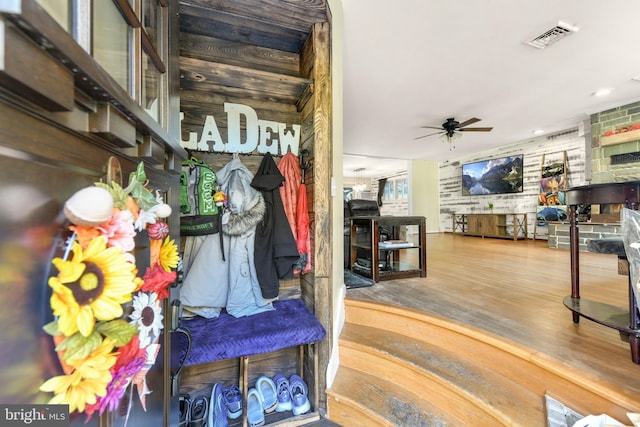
[
  {"x": 157, "y": 279},
  {"x": 128, "y": 353}
]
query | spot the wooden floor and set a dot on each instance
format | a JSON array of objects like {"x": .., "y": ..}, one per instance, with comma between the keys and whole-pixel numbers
[{"x": 514, "y": 289}]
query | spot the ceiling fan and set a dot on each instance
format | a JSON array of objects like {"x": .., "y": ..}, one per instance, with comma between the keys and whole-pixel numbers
[{"x": 449, "y": 129}]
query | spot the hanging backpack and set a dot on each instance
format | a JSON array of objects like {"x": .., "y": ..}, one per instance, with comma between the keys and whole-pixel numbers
[{"x": 198, "y": 211}]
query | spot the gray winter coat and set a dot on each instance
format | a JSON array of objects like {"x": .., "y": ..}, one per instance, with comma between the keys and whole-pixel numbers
[{"x": 210, "y": 283}]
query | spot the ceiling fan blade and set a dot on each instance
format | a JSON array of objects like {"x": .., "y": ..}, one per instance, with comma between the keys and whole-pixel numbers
[
  {"x": 432, "y": 127},
  {"x": 475, "y": 130},
  {"x": 424, "y": 136},
  {"x": 468, "y": 122}
]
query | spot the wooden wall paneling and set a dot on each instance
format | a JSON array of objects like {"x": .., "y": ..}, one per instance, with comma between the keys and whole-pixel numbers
[
  {"x": 241, "y": 81},
  {"x": 317, "y": 51},
  {"x": 46, "y": 143},
  {"x": 197, "y": 380},
  {"x": 197, "y": 105},
  {"x": 298, "y": 14},
  {"x": 239, "y": 54},
  {"x": 251, "y": 53},
  {"x": 264, "y": 23}
]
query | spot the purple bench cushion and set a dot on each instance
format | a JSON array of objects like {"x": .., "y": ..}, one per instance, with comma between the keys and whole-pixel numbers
[{"x": 227, "y": 337}]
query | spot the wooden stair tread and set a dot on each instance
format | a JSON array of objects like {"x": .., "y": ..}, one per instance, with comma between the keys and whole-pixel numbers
[
  {"x": 450, "y": 372},
  {"x": 380, "y": 402}
]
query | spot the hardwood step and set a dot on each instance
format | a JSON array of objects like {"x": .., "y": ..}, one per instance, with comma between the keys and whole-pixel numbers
[
  {"x": 466, "y": 391},
  {"x": 357, "y": 398},
  {"x": 536, "y": 371}
]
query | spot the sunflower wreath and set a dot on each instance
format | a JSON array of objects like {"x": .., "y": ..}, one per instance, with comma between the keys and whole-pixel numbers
[{"x": 107, "y": 319}]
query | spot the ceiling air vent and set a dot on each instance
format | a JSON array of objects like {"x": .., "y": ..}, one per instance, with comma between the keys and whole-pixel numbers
[{"x": 553, "y": 35}]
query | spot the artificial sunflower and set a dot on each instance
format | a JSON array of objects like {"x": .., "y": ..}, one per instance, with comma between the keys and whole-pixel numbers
[
  {"x": 92, "y": 285},
  {"x": 147, "y": 316},
  {"x": 168, "y": 256},
  {"x": 88, "y": 380}
]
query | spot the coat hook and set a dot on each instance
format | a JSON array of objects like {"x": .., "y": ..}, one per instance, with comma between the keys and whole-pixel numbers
[{"x": 304, "y": 164}]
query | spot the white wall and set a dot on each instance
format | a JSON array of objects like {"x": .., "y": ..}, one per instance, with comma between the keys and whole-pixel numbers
[
  {"x": 451, "y": 198},
  {"x": 338, "y": 291},
  {"x": 424, "y": 196}
]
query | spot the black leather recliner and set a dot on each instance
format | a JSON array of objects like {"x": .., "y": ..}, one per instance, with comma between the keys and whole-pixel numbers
[{"x": 359, "y": 207}]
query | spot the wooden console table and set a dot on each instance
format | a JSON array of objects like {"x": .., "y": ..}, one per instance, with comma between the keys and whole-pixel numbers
[
  {"x": 624, "y": 320},
  {"x": 365, "y": 239},
  {"x": 491, "y": 225}
]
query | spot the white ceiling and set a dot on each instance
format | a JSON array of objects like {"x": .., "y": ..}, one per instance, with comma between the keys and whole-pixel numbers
[{"x": 411, "y": 63}]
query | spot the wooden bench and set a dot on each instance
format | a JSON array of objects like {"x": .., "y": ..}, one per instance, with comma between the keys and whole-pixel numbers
[{"x": 290, "y": 324}]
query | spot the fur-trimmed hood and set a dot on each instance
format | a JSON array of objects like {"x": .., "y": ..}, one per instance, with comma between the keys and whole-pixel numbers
[
  {"x": 240, "y": 223},
  {"x": 246, "y": 205}
]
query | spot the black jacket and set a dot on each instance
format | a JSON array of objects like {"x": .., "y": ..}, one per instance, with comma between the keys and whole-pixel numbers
[{"x": 275, "y": 247}]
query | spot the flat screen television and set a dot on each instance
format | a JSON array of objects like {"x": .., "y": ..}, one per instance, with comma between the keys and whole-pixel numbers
[{"x": 493, "y": 176}]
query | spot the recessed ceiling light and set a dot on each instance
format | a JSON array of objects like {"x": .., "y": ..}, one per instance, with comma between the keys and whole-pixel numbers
[
  {"x": 538, "y": 132},
  {"x": 602, "y": 92}
]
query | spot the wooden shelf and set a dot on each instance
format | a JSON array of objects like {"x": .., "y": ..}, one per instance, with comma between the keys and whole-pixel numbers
[
  {"x": 604, "y": 314},
  {"x": 386, "y": 263},
  {"x": 625, "y": 320},
  {"x": 620, "y": 138}
]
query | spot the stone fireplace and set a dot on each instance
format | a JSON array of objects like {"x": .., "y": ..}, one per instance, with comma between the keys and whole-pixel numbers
[{"x": 615, "y": 144}]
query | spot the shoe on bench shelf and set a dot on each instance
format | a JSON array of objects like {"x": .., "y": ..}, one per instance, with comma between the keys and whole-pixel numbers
[
  {"x": 255, "y": 413},
  {"x": 184, "y": 408},
  {"x": 217, "y": 407},
  {"x": 199, "y": 412},
  {"x": 232, "y": 397},
  {"x": 284, "y": 394},
  {"x": 299, "y": 399},
  {"x": 268, "y": 394}
]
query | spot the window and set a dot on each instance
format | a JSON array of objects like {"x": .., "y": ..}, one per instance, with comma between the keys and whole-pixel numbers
[
  {"x": 59, "y": 10},
  {"x": 111, "y": 47},
  {"x": 389, "y": 193},
  {"x": 402, "y": 189}
]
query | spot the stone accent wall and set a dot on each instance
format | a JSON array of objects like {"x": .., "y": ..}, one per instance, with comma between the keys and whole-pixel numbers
[
  {"x": 559, "y": 234},
  {"x": 601, "y": 168}
]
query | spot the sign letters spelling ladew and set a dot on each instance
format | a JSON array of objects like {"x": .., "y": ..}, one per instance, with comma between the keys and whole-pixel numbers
[{"x": 263, "y": 136}]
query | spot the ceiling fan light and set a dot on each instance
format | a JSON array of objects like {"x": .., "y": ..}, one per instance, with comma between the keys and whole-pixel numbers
[
  {"x": 444, "y": 137},
  {"x": 602, "y": 92}
]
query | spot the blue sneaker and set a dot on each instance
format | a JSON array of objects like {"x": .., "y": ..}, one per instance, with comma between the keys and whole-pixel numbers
[
  {"x": 233, "y": 401},
  {"x": 217, "y": 408},
  {"x": 299, "y": 399},
  {"x": 255, "y": 414},
  {"x": 284, "y": 395},
  {"x": 268, "y": 394}
]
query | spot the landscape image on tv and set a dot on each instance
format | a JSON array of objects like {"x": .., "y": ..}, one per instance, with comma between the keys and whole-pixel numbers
[{"x": 495, "y": 176}]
